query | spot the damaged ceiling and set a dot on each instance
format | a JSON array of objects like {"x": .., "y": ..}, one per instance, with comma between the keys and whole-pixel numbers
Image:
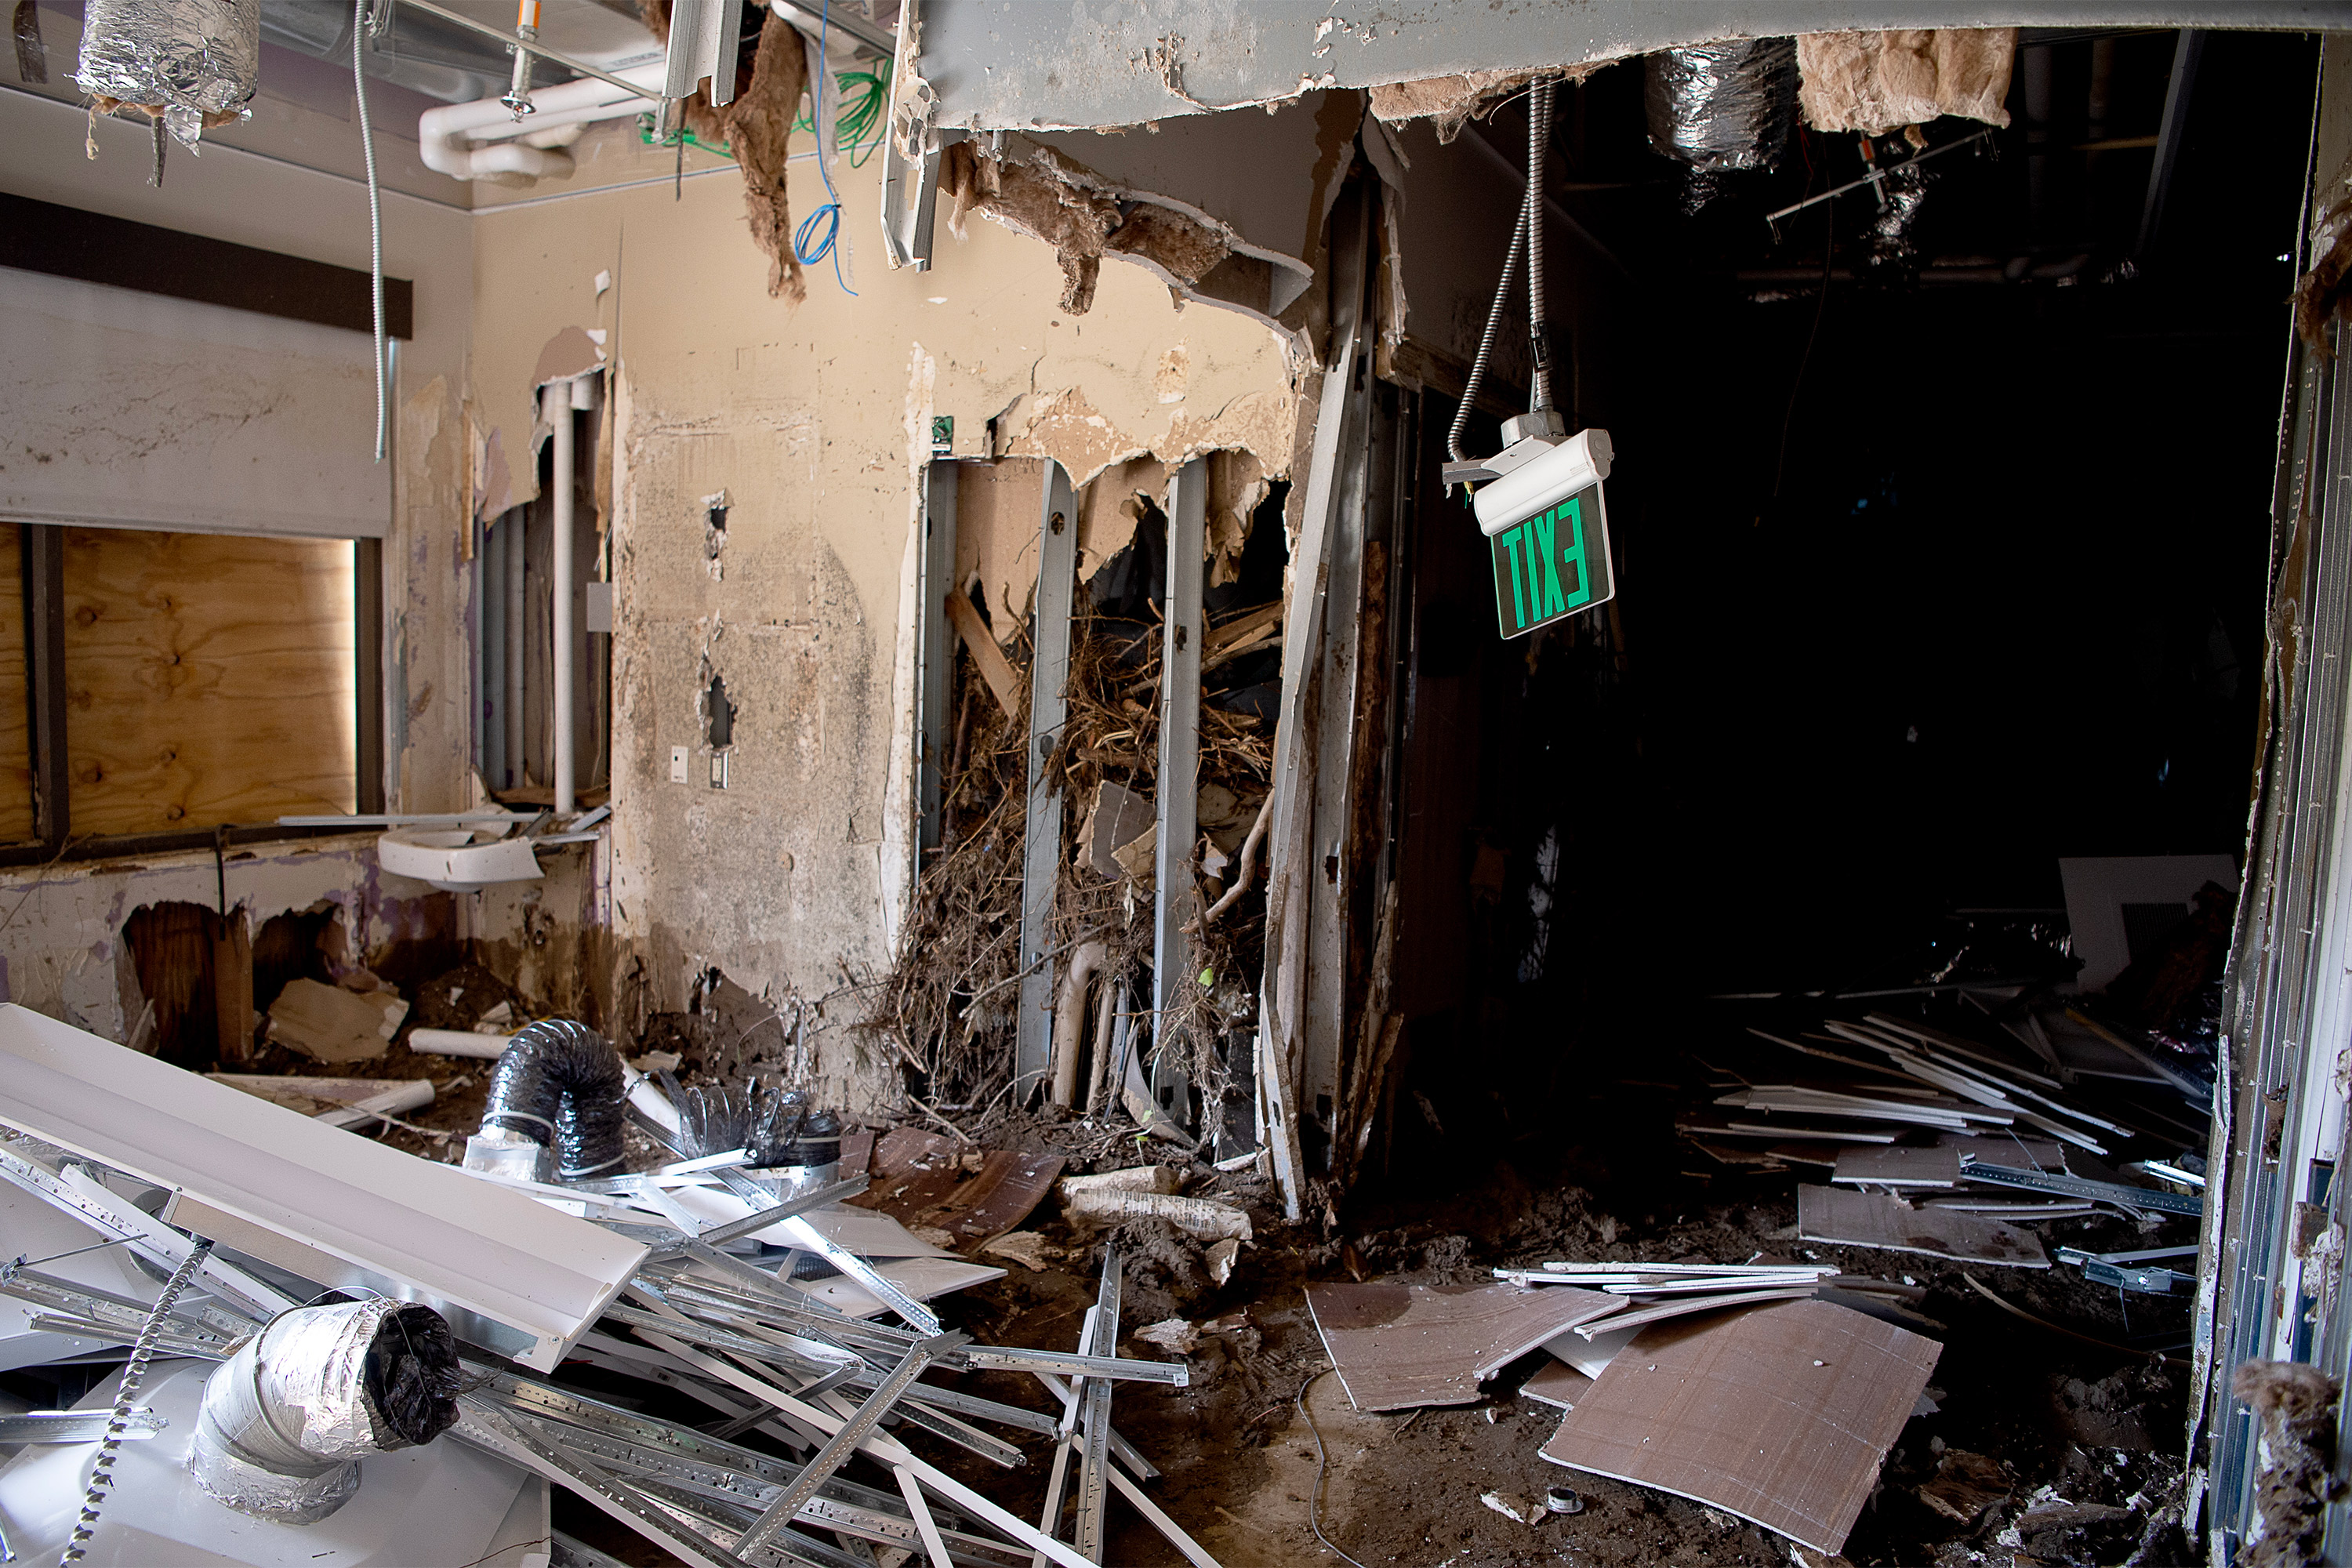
[{"x": 1036, "y": 68}]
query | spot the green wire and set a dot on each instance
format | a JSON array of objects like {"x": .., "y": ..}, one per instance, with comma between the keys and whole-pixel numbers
[{"x": 865, "y": 95}]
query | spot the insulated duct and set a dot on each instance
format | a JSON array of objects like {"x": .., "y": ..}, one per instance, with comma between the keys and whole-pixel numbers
[
  {"x": 563, "y": 1084},
  {"x": 1722, "y": 107},
  {"x": 191, "y": 64},
  {"x": 286, "y": 1420}
]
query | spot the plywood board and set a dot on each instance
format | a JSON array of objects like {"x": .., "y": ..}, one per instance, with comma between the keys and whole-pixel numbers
[
  {"x": 1897, "y": 1167},
  {"x": 1782, "y": 1415},
  {"x": 1399, "y": 1346},
  {"x": 209, "y": 679},
  {"x": 1872, "y": 1219},
  {"x": 1556, "y": 1383},
  {"x": 15, "y": 726}
]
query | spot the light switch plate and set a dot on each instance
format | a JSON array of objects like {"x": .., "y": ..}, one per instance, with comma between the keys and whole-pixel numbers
[{"x": 677, "y": 764}]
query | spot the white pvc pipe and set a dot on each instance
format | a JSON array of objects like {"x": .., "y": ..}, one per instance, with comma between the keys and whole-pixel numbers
[
  {"x": 511, "y": 531},
  {"x": 458, "y": 1043},
  {"x": 446, "y": 136},
  {"x": 559, "y": 415}
]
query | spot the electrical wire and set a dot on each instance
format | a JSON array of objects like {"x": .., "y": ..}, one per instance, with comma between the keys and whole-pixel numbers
[
  {"x": 375, "y": 211},
  {"x": 126, "y": 1395},
  {"x": 1526, "y": 235},
  {"x": 1315, "y": 1498},
  {"x": 814, "y": 240}
]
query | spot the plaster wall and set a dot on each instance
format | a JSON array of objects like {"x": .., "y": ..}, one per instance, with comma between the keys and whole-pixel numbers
[{"x": 815, "y": 424}]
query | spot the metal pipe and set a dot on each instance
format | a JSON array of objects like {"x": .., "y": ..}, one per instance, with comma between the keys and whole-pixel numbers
[
  {"x": 531, "y": 47},
  {"x": 559, "y": 415},
  {"x": 514, "y": 526}
]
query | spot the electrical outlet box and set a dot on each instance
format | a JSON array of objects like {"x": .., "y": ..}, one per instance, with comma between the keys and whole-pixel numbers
[
  {"x": 677, "y": 764},
  {"x": 719, "y": 769}
]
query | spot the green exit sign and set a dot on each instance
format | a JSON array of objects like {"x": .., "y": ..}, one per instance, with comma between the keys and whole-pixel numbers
[{"x": 1553, "y": 564}]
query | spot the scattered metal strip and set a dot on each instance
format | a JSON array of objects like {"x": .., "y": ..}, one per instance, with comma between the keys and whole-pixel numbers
[
  {"x": 483, "y": 1424},
  {"x": 934, "y": 1547},
  {"x": 159, "y": 1244},
  {"x": 2084, "y": 1187},
  {"x": 833, "y": 1252},
  {"x": 843, "y": 1442},
  {"x": 724, "y": 1340},
  {"x": 1093, "y": 1500},
  {"x": 166, "y": 1343},
  {"x": 1049, "y": 1518},
  {"x": 1125, "y": 1452},
  {"x": 1150, "y": 1511},
  {"x": 76, "y": 1425}
]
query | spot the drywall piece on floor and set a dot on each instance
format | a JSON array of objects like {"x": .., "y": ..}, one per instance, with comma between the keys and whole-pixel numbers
[
  {"x": 1874, "y": 1219},
  {"x": 1781, "y": 1415},
  {"x": 340, "y": 1210},
  {"x": 1556, "y": 1383},
  {"x": 1398, "y": 1346},
  {"x": 1641, "y": 1314},
  {"x": 1898, "y": 1167},
  {"x": 2004, "y": 1147},
  {"x": 862, "y": 1231},
  {"x": 1589, "y": 1356},
  {"x": 329, "y": 1023},
  {"x": 1709, "y": 1124},
  {"x": 922, "y": 1277}
]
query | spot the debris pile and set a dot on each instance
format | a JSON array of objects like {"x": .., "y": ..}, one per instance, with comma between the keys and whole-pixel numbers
[{"x": 481, "y": 1334}]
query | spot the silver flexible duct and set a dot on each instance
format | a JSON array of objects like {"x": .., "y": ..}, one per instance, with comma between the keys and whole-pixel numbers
[{"x": 286, "y": 1420}]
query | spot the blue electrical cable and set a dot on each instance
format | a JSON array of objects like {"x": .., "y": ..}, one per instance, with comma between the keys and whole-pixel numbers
[{"x": 813, "y": 241}]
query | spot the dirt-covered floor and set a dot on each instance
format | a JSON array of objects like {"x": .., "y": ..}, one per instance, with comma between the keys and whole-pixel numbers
[{"x": 2044, "y": 1448}]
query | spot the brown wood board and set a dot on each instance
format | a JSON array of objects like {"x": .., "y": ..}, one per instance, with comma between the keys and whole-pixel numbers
[
  {"x": 1782, "y": 1415},
  {"x": 1900, "y": 1167},
  {"x": 209, "y": 679},
  {"x": 1847, "y": 1218},
  {"x": 986, "y": 657},
  {"x": 1399, "y": 1346}
]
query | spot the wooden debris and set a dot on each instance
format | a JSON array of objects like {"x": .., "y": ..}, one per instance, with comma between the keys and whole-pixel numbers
[
  {"x": 986, "y": 657},
  {"x": 1965, "y": 1485}
]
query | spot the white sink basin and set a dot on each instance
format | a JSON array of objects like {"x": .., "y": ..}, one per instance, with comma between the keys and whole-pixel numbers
[{"x": 462, "y": 860}]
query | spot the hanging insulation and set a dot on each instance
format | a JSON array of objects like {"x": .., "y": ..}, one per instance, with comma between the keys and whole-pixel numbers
[
  {"x": 192, "y": 63},
  {"x": 286, "y": 1420},
  {"x": 1723, "y": 106}
]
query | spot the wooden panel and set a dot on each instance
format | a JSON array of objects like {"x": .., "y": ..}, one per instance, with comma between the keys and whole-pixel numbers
[
  {"x": 16, "y": 727},
  {"x": 209, "y": 679}
]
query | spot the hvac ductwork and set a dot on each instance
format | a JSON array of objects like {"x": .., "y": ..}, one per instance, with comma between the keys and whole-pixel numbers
[
  {"x": 485, "y": 141},
  {"x": 286, "y": 1420},
  {"x": 191, "y": 64},
  {"x": 560, "y": 1085},
  {"x": 1722, "y": 107}
]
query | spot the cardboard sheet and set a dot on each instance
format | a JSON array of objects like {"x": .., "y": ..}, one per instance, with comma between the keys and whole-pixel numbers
[
  {"x": 1399, "y": 1346},
  {"x": 1780, "y": 1414},
  {"x": 1872, "y": 1219}
]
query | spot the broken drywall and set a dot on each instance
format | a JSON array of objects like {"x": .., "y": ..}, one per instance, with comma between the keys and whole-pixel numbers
[
  {"x": 62, "y": 935},
  {"x": 428, "y": 587},
  {"x": 816, "y": 423}
]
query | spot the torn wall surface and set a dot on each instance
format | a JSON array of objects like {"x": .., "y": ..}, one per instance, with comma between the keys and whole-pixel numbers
[{"x": 810, "y": 420}]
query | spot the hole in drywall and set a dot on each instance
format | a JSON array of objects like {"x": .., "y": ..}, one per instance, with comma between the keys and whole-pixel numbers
[
  {"x": 292, "y": 946},
  {"x": 719, "y": 715},
  {"x": 171, "y": 949}
]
